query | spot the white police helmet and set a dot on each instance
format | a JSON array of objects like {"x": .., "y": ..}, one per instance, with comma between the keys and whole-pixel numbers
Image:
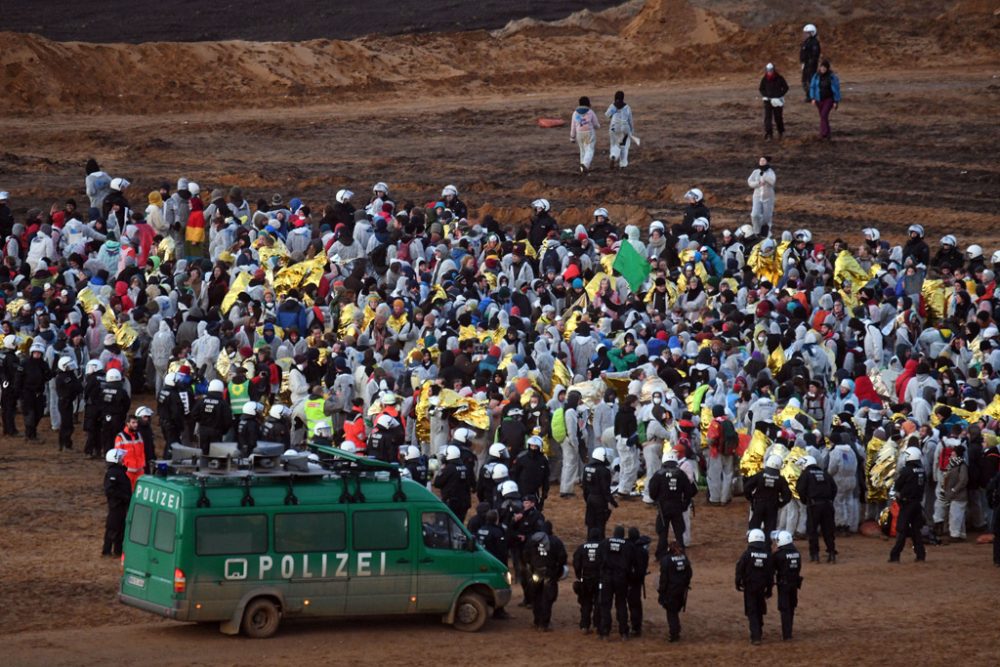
[
  {"x": 669, "y": 455},
  {"x": 114, "y": 455},
  {"x": 773, "y": 461},
  {"x": 499, "y": 472},
  {"x": 412, "y": 453},
  {"x": 322, "y": 429},
  {"x": 463, "y": 435},
  {"x": 114, "y": 375},
  {"x": 541, "y": 204},
  {"x": 784, "y": 538},
  {"x": 913, "y": 454},
  {"x": 449, "y": 190},
  {"x": 695, "y": 194},
  {"x": 452, "y": 453},
  {"x": 344, "y": 196},
  {"x": 498, "y": 450},
  {"x": 216, "y": 386},
  {"x": 508, "y": 487}
]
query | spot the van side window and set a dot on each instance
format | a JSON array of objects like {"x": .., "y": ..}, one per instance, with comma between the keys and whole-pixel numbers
[
  {"x": 231, "y": 535},
  {"x": 163, "y": 536},
  {"x": 142, "y": 516},
  {"x": 441, "y": 532},
  {"x": 381, "y": 530},
  {"x": 310, "y": 531}
]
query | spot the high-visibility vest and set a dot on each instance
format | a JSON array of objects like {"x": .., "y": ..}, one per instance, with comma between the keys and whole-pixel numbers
[
  {"x": 314, "y": 413},
  {"x": 239, "y": 394},
  {"x": 135, "y": 455},
  {"x": 355, "y": 432}
]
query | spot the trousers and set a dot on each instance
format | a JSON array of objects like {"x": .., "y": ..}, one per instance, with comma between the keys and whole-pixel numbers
[
  {"x": 778, "y": 114},
  {"x": 587, "y": 598},
  {"x": 664, "y": 522},
  {"x": 628, "y": 459},
  {"x": 614, "y": 592},
  {"x": 633, "y": 597},
  {"x": 586, "y": 142},
  {"x": 620, "y": 142},
  {"x": 755, "y": 606},
  {"x": 819, "y": 518},
  {"x": 765, "y": 517},
  {"x": 788, "y": 600},
  {"x": 544, "y": 593},
  {"x": 825, "y": 107},
  {"x": 651, "y": 454},
  {"x": 114, "y": 529},
  {"x": 720, "y": 478},
  {"x": 908, "y": 525}
]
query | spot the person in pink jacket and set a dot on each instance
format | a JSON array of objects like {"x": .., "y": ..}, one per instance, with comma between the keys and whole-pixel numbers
[{"x": 583, "y": 130}]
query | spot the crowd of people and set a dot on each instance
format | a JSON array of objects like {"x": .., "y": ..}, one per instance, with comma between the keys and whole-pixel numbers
[{"x": 830, "y": 382}]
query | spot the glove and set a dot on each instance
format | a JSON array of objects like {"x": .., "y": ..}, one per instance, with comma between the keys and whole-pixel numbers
[{"x": 739, "y": 587}]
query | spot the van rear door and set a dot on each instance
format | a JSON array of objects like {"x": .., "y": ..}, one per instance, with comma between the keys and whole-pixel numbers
[
  {"x": 444, "y": 562},
  {"x": 380, "y": 562},
  {"x": 150, "y": 560}
]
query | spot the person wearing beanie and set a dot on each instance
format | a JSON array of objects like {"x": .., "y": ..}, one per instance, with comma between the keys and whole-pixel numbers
[
  {"x": 583, "y": 130},
  {"x": 824, "y": 93},
  {"x": 621, "y": 129}
]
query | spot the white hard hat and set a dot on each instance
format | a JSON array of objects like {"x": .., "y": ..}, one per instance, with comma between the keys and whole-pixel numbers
[
  {"x": 535, "y": 441},
  {"x": 449, "y": 190},
  {"x": 64, "y": 363},
  {"x": 913, "y": 454},
  {"x": 755, "y": 535},
  {"x": 380, "y": 187},
  {"x": 250, "y": 409},
  {"x": 803, "y": 235},
  {"x": 974, "y": 251},
  {"x": 10, "y": 340},
  {"x": 463, "y": 435},
  {"x": 809, "y": 27},
  {"x": 349, "y": 447},
  {"x": 949, "y": 239},
  {"x": 601, "y": 454},
  {"x": 669, "y": 455},
  {"x": 277, "y": 411},
  {"x": 114, "y": 455},
  {"x": 216, "y": 386},
  {"x": 918, "y": 229},
  {"x": 773, "y": 461},
  {"x": 498, "y": 450},
  {"x": 412, "y": 453},
  {"x": 95, "y": 366},
  {"x": 170, "y": 379},
  {"x": 114, "y": 375},
  {"x": 499, "y": 472},
  {"x": 602, "y": 212},
  {"x": 452, "y": 453},
  {"x": 541, "y": 203},
  {"x": 120, "y": 184},
  {"x": 344, "y": 196},
  {"x": 322, "y": 428},
  {"x": 694, "y": 193},
  {"x": 808, "y": 461},
  {"x": 143, "y": 411},
  {"x": 389, "y": 398},
  {"x": 508, "y": 487},
  {"x": 784, "y": 538},
  {"x": 193, "y": 188},
  {"x": 386, "y": 421}
]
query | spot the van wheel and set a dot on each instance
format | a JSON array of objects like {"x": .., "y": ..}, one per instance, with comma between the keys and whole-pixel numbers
[
  {"x": 261, "y": 618},
  {"x": 471, "y": 612}
]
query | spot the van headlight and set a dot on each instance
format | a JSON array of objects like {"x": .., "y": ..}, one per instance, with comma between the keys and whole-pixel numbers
[{"x": 508, "y": 578}]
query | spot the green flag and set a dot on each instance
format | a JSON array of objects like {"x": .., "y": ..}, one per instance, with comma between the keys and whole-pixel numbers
[{"x": 631, "y": 265}]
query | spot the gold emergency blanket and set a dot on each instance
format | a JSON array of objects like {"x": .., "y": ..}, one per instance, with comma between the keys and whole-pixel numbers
[
  {"x": 302, "y": 274},
  {"x": 791, "y": 471},
  {"x": 468, "y": 410},
  {"x": 880, "y": 463},
  {"x": 752, "y": 461},
  {"x": 238, "y": 285}
]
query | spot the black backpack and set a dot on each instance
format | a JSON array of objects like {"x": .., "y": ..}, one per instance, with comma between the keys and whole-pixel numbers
[{"x": 551, "y": 260}]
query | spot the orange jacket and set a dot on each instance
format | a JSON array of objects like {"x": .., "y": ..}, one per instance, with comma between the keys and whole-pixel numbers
[
  {"x": 355, "y": 432},
  {"x": 135, "y": 454}
]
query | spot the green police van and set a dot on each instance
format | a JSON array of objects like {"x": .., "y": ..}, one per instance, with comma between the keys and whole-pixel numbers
[{"x": 346, "y": 537}]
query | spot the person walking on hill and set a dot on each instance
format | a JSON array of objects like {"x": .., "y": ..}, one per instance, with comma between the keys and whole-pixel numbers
[
  {"x": 773, "y": 89},
  {"x": 809, "y": 53},
  {"x": 583, "y": 130},
  {"x": 824, "y": 91},
  {"x": 621, "y": 129}
]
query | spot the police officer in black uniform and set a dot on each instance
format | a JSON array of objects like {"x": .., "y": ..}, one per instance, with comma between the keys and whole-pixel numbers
[
  {"x": 92, "y": 395},
  {"x": 597, "y": 491},
  {"x": 909, "y": 490},
  {"x": 416, "y": 463},
  {"x": 118, "y": 491},
  {"x": 213, "y": 415},
  {"x": 453, "y": 480},
  {"x": 767, "y": 492},
  {"x": 386, "y": 439},
  {"x": 788, "y": 577},
  {"x": 637, "y": 579},
  {"x": 173, "y": 411},
  {"x": 114, "y": 408},
  {"x": 672, "y": 491},
  {"x": 587, "y": 568},
  {"x": 675, "y": 581},
  {"x": 546, "y": 558},
  {"x": 531, "y": 471},
  {"x": 68, "y": 388},
  {"x": 617, "y": 556},
  {"x": 755, "y": 579},
  {"x": 32, "y": 383},
  {"x": 817, "y": 491},
  {"x": 248, "y": 428},
  {"x": 492, "y": 537},
  {"x": 275, "y": 427},
  {"x": 525, "y": 521},
  {"x": 9, "y": 364}
]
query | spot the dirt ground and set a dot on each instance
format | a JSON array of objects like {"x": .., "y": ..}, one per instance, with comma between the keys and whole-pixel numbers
[
  {"x": 60, "y": 606},
  {"x": 915, "y": 140}
]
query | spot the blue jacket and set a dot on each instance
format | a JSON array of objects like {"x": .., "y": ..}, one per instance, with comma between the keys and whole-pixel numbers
[{"x": 814, "y": 87}]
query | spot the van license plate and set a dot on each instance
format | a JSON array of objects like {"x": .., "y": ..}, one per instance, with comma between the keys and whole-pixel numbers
[{"x": 133, "y": 580}]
